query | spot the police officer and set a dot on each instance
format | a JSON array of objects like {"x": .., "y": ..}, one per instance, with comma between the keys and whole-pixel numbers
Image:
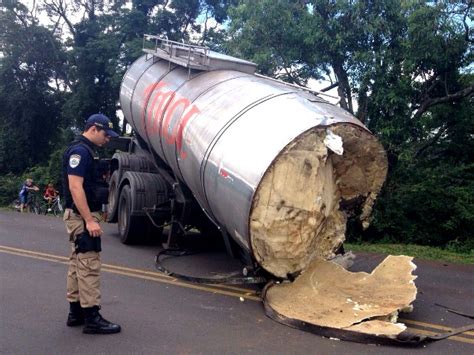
[{"x": 84, "y": 196}]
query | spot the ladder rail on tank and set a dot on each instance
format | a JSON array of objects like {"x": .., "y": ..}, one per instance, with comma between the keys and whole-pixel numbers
[
  {"x": 186, "y": 55},
  {"x": 193, "y": 57}
]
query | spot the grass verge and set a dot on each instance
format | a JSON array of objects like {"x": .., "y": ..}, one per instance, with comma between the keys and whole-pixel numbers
[{"x": 418, "y": 251}]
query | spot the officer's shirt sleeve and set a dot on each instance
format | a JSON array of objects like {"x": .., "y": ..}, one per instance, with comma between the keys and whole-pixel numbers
[{"x": 78, "y": 161}]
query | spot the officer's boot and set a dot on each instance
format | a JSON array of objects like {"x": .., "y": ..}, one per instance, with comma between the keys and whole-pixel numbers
[
  {"x": 76, "y": 315},
  {"x": 95, "y": 324}
]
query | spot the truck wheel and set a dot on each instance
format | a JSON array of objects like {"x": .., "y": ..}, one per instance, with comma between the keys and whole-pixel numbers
[
  {"x": 113, "y": 197},
  {"x": 128, "y": 226},
  {"x": 134, "y": 229}
]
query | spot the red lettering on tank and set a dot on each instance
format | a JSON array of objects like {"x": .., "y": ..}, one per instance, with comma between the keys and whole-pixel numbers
[
  {"x": 225, "y": 174},
  {"x": 171, "y": 138},
  {"x": 180, "y": 129},
  {"x": 156, "y": 110},
  {"x": 145, "y": 99}
]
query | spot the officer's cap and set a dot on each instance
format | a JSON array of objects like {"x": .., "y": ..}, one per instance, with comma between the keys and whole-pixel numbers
[{"x": 103, "y": 122}]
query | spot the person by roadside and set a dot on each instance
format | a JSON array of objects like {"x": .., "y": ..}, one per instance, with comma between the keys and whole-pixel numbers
[
  {"x": 50, "y": 193},
  {"x": 23, "y": 194},
  {"x": 84, "y": 196}
]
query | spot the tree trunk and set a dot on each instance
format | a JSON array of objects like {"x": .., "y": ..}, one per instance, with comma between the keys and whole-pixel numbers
[
  {"x": 362, "y": 102},
  {"x": 343, "y": 90}
]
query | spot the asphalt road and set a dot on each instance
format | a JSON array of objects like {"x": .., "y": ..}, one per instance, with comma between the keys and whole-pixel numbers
[{"x": 161, "y": 315}]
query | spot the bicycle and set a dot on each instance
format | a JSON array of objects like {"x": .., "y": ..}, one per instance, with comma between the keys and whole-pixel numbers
[
  {"x": 56, "y": 207},
  {"x": 35, "y": 204}
]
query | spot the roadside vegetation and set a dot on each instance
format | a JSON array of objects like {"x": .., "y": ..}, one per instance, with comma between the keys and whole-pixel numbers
[
  {"x": 404, "y": 68},
  {"x": 418, "y": 251}
]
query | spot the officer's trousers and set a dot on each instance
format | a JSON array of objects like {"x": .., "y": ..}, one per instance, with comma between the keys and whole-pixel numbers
[{"x": 83, "y": 276}]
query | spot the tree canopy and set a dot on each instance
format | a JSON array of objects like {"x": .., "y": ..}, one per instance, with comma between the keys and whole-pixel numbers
[{"x": 404, "y": 68}]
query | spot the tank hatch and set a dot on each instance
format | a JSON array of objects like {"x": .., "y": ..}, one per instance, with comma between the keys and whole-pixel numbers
[{"x": 194, "y": 57}]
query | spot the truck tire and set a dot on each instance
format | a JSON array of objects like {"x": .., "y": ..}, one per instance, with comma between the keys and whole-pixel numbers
[
  {"x": 134, "y": 229},
  {"x": 129, "y": 227},
  {"x": 123, "y": 162},
  {"x": 113, "y": 197}
]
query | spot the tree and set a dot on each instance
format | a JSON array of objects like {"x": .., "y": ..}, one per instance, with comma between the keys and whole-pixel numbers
[
  {"x": 30, "y": 70},
  {"x": 407, "y": 64},
  {"x": 53, "y": 76},
  {"x": 423, "y": 114},
  {"x": 270, "y": 34},
  {"x": 108, "y": 37}
]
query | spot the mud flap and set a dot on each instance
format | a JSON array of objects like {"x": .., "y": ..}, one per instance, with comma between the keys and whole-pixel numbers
[{"x": 330, "y": 301}]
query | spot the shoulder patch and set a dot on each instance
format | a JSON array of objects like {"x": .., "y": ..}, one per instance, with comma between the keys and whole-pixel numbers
[{"x": 74, "y": 160}]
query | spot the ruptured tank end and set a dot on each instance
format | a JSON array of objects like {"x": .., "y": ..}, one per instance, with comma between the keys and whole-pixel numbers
[
  {"x": 327, "y": 295},
  {"x": 301, "y": 206}
]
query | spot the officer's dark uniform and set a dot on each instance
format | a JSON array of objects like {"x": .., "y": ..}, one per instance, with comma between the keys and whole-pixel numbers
[
  {"x": 80, "y": 159},
  {"x": 83, "y": 278}
]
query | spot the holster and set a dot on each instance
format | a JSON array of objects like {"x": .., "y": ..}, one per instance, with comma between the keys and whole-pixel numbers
[{"x": 84, "y": 243}]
